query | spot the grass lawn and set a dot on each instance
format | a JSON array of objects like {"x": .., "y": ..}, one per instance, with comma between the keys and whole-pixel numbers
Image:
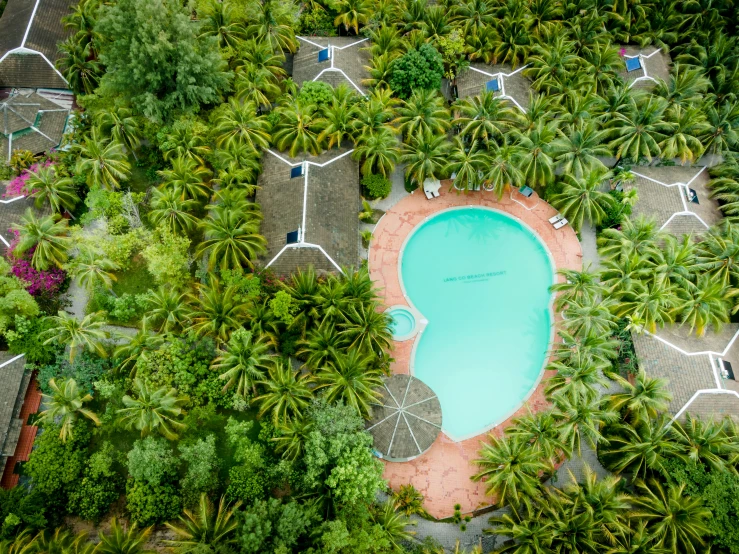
[{"x": 136, "y": 280}]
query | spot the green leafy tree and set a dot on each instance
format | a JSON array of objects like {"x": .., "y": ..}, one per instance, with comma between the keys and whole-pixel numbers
[
  {"x": 419, "y": 68},
  {"x": 160, "y": 64}
]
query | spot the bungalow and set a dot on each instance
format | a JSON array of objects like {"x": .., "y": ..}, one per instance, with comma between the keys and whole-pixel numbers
[
  {"x": 644, "y": 66},
  {"x": 500, "y": 79},
  {"x": 333, "y": 60}
]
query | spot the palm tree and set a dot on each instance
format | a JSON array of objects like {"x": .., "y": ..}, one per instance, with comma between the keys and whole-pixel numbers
[
  {"x": 65, "y": 404},
  {"x": 298, "y": 129},
  {"x": 550, "y": 65},
  {"x": 338, "y": 121},
  {"x": 272, "y": 22},
  {"x": 171, "y": 210},
  {"x": 263, "y": 58},
  {"x": 503, "y": 168},
  {"x": 352, "y": 13},
  {"x": 425, "y": 156},
  {"x": 601, "y": 350},
  {"x": 580, "y": 416},
  {"x": 187, "y": 178},
  {"x": 93, "y": 269},
  {"x": 44, "y": 185},
  {"x": 81, "y": 71},
  {"x": 705, "y": 305},
  {"x": 538, "y": 430},
  {"x": 638, "y": 131},
  {"x": 579, "y": 374},
  {"x": 511, "y": 470},
  {"x": 408, "y": 500},
  {"x": 637, "y": 541},
  {"x": 153, "y": 410},
  {"x": 78, "y": 335},
  {"x": 722, "y": 130},
  {"x": 572, "y": 527},
  {"x": 186, "y": 140},
  {"x": 321, "y": 347},
  {"x": 215, "y": 311},
  {"x": 640, "y": 447},
  {"x": 393, "y": 525},
  {"x": 485, "y": 117},
  {"x": 166, "y": 309},
  {"x": 646, "y": 398},
  {"x": 576, "y": 154},
  {"x": 48, "y": 238},
  {"x": 582, "y": 198},
  {"x": 351, "y": 380},
  {"x": 239, "y": 123},
  {"x": 688, "y": 125},
  {"x": 677, "y": 520},
  {"x": 584, "y": 319},
  {"x": 528, "y": 528},
  {"x": 706, "y": 442},
  {"x": 602, "y": 64},
  {"x": 423, "y": 113},
  {"x": 537, "y": 164},
  {"x": 578, "y": 286},
  {"x": 256, "y": 86},
  {"x": 122, "y": 127},
  {"x": 365, "y": 328},
  {"x": 675, "y": 262},
  {"x": 103, "y": 161},
  {"x": 231, "y": 238},
  {"x": 244, "y": 362},
  {"x": 286, "y": 393},
  {"x": 718, "y": 254},
  {"x": 467, "y": 163},
  {"x": 219, "y": 19},
  {"x": 649, "y": 305},
  {"x": 216, "y": 528},
  {"x": 638, "y": 235},
  {"x": 129, "y": 354},
  {"x": 120, "y": 541},
  {"x": 377, "y": 151}
]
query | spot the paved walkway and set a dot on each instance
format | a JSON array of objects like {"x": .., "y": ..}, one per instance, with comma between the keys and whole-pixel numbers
[{"x": 443, "y": 473}]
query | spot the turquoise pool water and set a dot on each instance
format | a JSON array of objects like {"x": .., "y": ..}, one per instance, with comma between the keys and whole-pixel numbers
[
  {"x": 402, "y": 322},
  {"x": 481, "y": 279}
]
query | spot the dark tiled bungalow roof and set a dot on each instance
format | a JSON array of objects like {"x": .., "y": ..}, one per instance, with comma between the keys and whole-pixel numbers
[
  {"x": 655, "y": 65},
  {"x": 473, "y": 80},
  {"x": 30, "y": 31},
  {"x": 14, "y": 383},
  {"x": 30, "y": 122},
  {"x": 346, "y": 64},
  {"x": 713, "y": 404},
  {"x": 329, "y": 206}
]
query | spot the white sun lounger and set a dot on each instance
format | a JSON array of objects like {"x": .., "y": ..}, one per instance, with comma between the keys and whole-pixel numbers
[
  {"x": 555, "y": 219},
  {"x": 561, "y": 223},
  {"x": 428, "y": 194},
  {"x": 436, "y": 194}
]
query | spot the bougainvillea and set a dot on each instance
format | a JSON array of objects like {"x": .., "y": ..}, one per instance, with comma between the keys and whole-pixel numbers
[
  {"x": 17, "y": 185},
  {"x": 38, "y": 282}
]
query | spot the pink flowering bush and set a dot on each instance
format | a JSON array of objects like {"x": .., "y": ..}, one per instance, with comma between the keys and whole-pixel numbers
[
  {"x": 17, "y": 185},
  {"x": 48, "y": 282}
]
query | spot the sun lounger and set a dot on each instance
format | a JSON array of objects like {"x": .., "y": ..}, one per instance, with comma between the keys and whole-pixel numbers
[
  {"x": 561, "y": 223},
  {"x": 436, "y": 194},
  {"x": 428, "y": 194},
  {"x": 526, "y": 190},
  {"x": 555, "y": 219}
]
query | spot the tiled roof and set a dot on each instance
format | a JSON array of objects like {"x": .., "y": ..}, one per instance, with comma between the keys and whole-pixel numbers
[
  {"x": 14, "y": 383},
  {"x": 713, "y": 404},
  {"x": 655, "y": 65},
  {"x": 349, "y": 58},
  {"x": 30, "y": 122},
  {"x": 472, "y": 82},
  {"x": 30, "y": 31},
  {"x": 331, "y": 205},
  {"x": 11, "y": 211}
]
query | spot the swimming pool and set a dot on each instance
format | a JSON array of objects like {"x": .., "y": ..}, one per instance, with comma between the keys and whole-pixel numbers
[
  {"x": 402, "y": 323},
  {"x": 481, "y": 280}
]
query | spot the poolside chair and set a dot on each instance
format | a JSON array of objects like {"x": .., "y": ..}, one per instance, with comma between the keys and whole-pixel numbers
[
  {"x": 436, "y": 193},
  {"x": 428, "y": 194},
  {"x": 561, "y": 223},
  {"x": 555, "y": 219},
  {"x": 526, "y": 190}
]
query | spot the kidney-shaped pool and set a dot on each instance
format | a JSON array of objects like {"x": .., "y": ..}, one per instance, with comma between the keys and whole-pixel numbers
[{"x": 481, "y": 278}]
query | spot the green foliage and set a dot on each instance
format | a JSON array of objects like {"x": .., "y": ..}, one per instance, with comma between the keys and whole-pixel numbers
[
  {"x": 21, "y": 509},
  {"x": 719, "y": 491},
  {"x": 101, "y": 485},
  {"x": 316, "y": 93},
  {"x": 248, "y": 286},
  {"x": 316, "y": 21},
  {"x": 453, "y": 54},
  {"x": 202, "y": 464},
  {"x": 418, "y": 68},
  {"x": 25, "y": 340},
  {"x": 283, "y": 307},
  {"x": 160, "y": 64},
  {"x": 615, "y": 212},
  {"x": 126, "y": 308},
  {"x": 85, "y": 369},
  {"x": 271, "y": 526},
  {"x": 183, "y": 363},
  {"x": 15, "y": 302},
  {"x": 376, "y": 186},
  {"x": 167, "y": 258},
  {"x": 122, "y": 249},
  {"x": 106, "y": 203},
  {"x": 151, "y": 460},
  {"x": 249, "y": 478},
  {"x": 151, "y": 504}
]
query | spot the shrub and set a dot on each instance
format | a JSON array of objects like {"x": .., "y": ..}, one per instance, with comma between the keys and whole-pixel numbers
[
  {"x": 151, "y": 460},
  {"x": 167, "y": 259},
  {"x": 124, "y": 308},
  {"x": 25, "y": 340},
  {"x": 316, "y": 92},
  {"x": 202, "y": 462},
  {"x": 99, "y": 488},
  {"x": 417, "y": 68},
  {"x": 376, "y": 186},
  {"x": 85, "y": 370},
  {"x": 152, "y": 504},
  {"x": 317, "y": 21},
  {"x": 283, "y": 307}
]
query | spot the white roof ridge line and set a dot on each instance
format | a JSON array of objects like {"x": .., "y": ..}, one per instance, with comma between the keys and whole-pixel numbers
[
  {"x": 696, "y": 394},
  {"x": 11, "y": 360},
  {"x": 684, "y": 352},
  {"x": 30, "y": 22},
  {"x": 338, "y": 70},
  {"x": 308, "y": 162},
  {"x": 21, "y": 197}
]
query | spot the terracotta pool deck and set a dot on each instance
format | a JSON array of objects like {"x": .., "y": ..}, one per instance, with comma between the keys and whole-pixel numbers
[{"x": 443, "y": 473}]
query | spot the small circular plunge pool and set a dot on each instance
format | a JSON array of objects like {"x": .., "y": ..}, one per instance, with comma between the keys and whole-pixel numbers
[{"x": 403, "y": 323}]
